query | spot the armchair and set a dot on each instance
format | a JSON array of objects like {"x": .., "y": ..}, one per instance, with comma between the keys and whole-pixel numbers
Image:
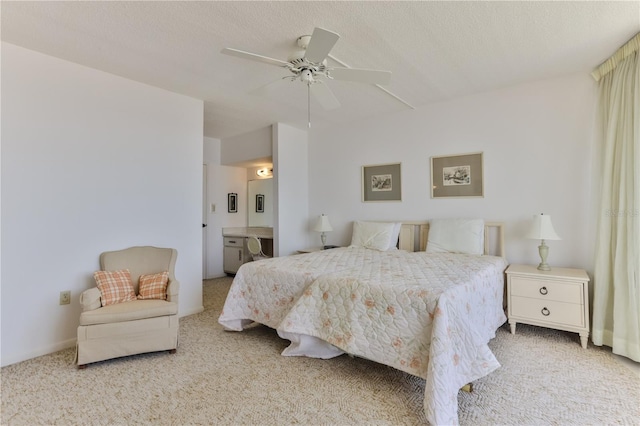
[{"x": 134, "y": 327}]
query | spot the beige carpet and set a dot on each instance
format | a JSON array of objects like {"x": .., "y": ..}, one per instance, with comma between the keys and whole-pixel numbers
[{"x": 225, "y": 378}]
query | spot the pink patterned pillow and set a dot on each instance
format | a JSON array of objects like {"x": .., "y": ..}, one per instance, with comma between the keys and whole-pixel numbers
[
  {"x": 115, "y": 286},
  {"x": 154, "y": 286}
]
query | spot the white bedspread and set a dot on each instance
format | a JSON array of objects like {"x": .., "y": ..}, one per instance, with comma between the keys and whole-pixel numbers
[{"x": 430, "y": 315}]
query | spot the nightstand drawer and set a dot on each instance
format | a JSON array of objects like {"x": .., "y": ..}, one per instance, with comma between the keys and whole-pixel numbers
[
  {"x": 547, "y": 290},
  {"x": 547, "y": 310}
]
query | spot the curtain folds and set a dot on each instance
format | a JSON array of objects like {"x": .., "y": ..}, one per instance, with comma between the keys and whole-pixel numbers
[
  {"x": 629, "y": 48},
  {"x": 616, "y": 304}
]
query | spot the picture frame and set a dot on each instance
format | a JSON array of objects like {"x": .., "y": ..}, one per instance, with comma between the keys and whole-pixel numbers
[
  {"x": 457, "y": 176},
  {"x": 232, "y": 202},
  {"x": 259, "y": 203},
  {"x": 382, "y": 182}
]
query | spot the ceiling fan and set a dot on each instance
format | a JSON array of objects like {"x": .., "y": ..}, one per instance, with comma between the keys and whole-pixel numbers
[{"x": 309, "y": 65}]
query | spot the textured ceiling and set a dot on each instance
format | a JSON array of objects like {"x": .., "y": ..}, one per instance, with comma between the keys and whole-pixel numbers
[{"x": 435, "y": 50}]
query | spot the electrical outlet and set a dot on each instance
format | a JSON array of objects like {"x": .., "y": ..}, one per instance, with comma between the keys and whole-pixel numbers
[{"x": 65, "y": 297}]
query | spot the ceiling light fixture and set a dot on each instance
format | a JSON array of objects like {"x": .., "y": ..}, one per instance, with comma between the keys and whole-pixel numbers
[{"x": 265, "y": 172}]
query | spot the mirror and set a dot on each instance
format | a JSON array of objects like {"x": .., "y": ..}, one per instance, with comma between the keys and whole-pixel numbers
[{"x": 260, "y": 203}]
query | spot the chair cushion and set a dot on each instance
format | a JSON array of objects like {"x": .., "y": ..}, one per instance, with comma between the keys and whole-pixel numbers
[
  {"x": 153, "y": 286},
  {"x": 115, "y": 286},
  {"x": 128, "y": 311}
]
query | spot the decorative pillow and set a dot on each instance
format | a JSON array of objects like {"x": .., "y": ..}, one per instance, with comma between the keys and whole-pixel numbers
[
  {"x": 154, "y": 286},
  {"x": 393, "y": 244},
  {"x": 456, "y": 236},
  {"x": 115, "y": 286},
  {"x": 373, "y": 235}
]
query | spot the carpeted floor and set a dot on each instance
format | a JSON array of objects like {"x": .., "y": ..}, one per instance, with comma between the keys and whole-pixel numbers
[{"x": 226, "y": 378}]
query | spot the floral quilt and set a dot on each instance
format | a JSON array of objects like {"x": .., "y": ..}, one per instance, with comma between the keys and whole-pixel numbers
[
  {"x": 430, "y": 315},
  {"x": 265, "y": 291}
]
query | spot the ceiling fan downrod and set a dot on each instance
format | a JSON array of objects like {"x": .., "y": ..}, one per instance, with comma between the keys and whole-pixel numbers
[{"x": 309, "y": 103}]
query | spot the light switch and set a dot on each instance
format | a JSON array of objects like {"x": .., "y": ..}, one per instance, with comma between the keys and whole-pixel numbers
[{"x": 212, "y": 208}]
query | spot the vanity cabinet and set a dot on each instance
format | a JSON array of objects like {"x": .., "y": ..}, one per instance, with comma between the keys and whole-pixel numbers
[{"x": 235, "y": 254}]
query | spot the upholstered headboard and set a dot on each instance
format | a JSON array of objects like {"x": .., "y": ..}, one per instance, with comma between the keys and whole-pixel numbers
[{"x": 414, "y": 236}]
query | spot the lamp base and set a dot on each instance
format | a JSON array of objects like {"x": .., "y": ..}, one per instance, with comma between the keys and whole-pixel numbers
[
  {"x": 323, "y": 238},
  {"x": 544, "y": 267},
  {"x": 543, "y": 249}
]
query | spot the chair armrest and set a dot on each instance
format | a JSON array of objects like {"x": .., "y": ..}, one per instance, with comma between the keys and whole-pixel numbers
[
  {"x": 90, "y": 299},
  {"x": 173, "y": 288}
]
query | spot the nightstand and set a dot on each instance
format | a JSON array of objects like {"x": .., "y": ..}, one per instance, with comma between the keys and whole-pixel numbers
[
  {"x": 310, "y": 250},
  {"x": 558, "y": 299}
]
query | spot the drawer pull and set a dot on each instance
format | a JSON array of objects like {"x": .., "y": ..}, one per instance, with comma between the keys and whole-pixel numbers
[
  {"x": 544, "y": 291},
  {"x": 545, "y": 312},
  {"x": 232, "y": 241}
]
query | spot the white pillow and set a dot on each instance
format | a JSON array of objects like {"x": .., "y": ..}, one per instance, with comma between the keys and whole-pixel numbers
[
  {"x": 393, "y": 244},
  {"x": 373, "y": 235},
  {"x": 456, "y": 236}
]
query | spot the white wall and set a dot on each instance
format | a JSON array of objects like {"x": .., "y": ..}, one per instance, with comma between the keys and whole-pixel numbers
[
  {"x": 290, "y": 182},
  {"x": 537, "y": 143},
  {"x": 264, "y": 187},
  {"x": 90, "y": 162},
  {"x": 222, "y": 180},
  {"x": 254, "y": 145}
]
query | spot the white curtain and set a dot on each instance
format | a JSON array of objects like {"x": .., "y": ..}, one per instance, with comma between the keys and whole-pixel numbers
[{"x": 616, "y": 303}]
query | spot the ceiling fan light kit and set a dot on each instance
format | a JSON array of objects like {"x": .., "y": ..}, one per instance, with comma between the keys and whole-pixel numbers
[{"x": 309, "y": 65}]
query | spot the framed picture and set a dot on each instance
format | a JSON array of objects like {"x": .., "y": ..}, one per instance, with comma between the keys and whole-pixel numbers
[
  {"x": 259, "y": 203},
  {"x": 382, "y": 182},
  {"x": 232, "y": 202},
  {"x": 457, "y": 176}
]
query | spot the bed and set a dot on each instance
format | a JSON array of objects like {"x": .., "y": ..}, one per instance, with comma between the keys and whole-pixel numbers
[{"x": 427, "y": 310}]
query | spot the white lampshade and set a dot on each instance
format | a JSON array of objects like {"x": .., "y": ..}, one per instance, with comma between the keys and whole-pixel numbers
[
  {"x": 542, "y": 228},
  {"x": 323, "y": 225}
]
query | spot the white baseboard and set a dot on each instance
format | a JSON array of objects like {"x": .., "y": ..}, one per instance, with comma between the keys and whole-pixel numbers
[
  {"x": 66, "y": 344},
  {"x": 15, "y": 358},
  {"x": 217, "y": 276},
  {"x": 192, "y": 311}
]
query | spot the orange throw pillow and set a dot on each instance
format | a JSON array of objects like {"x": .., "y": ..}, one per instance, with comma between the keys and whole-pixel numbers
[
  {"x": 115, "y": 286},
  {"x": 154, "y": 286}
]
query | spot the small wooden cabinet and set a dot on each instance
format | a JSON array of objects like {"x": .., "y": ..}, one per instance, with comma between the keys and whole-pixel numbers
[
  {"x": 314, "y": 249},
  {"x": 555, "y": 299},
  {"x": 310, "y": 250},
  {"x": 235, "y": 254}
]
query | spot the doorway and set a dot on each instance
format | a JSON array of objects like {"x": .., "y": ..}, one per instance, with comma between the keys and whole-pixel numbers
[{"x": 205, "y": 271}]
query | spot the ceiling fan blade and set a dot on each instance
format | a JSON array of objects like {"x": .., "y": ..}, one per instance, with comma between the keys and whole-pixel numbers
[
  {"x": 324, "y": 95},
  {"x": 321, "y": 43},
  {"x": 362, "y": 75},
  {"x": 253, "y": 57}
]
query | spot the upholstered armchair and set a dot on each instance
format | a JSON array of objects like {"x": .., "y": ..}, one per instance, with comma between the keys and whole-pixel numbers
[{"x": 114, "y": 323}]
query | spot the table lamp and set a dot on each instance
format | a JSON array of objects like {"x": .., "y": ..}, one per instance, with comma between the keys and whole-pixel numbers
[
  {"x": 542, "y": 229},
  {"x": 323, "y": 226}
]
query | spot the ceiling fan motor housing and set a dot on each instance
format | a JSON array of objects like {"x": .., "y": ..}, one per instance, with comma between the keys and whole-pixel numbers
[
  {"x": 303, "y": 41},
  {"x": 307, "y": 75},
  {"x": 296, "y": 56}
]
